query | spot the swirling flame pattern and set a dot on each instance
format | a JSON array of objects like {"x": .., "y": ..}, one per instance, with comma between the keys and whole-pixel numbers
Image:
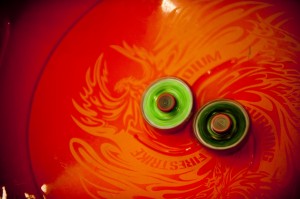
[{"x": 223, "y": 51}]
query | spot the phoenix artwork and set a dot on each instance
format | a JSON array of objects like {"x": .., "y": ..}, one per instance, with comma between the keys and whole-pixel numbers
[{"x": 221, "y": 50}]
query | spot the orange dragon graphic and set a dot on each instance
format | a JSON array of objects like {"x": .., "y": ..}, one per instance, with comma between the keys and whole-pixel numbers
[{"x": 222, "y": 51}]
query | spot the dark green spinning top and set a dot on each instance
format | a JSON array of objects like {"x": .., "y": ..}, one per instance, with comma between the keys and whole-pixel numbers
[{"x": 221, "y": 124}]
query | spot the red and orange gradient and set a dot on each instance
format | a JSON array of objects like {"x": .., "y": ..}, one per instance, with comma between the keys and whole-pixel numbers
[{"x": 87, "y": 136}]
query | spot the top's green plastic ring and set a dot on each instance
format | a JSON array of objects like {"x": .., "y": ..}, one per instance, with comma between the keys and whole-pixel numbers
[
  {"x": 167, "y": 103},
  {"x": 221, "y": 124}
]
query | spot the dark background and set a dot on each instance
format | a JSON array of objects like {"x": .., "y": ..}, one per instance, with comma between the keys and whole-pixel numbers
[{"x": 29, "y": 31}]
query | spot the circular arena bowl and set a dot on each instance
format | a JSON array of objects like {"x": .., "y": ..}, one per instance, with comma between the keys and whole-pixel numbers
[{"x": 74, "y": 76}]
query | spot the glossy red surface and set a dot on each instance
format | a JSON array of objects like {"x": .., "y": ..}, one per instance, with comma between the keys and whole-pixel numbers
[
  {"x": 85, "y": 133},
  {"x": 36, "y": 27}
]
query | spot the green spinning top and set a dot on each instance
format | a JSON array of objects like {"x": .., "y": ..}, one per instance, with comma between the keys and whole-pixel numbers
[
  {"x": 221, "y": 124},
  {"x": 167, "y": 103}
]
